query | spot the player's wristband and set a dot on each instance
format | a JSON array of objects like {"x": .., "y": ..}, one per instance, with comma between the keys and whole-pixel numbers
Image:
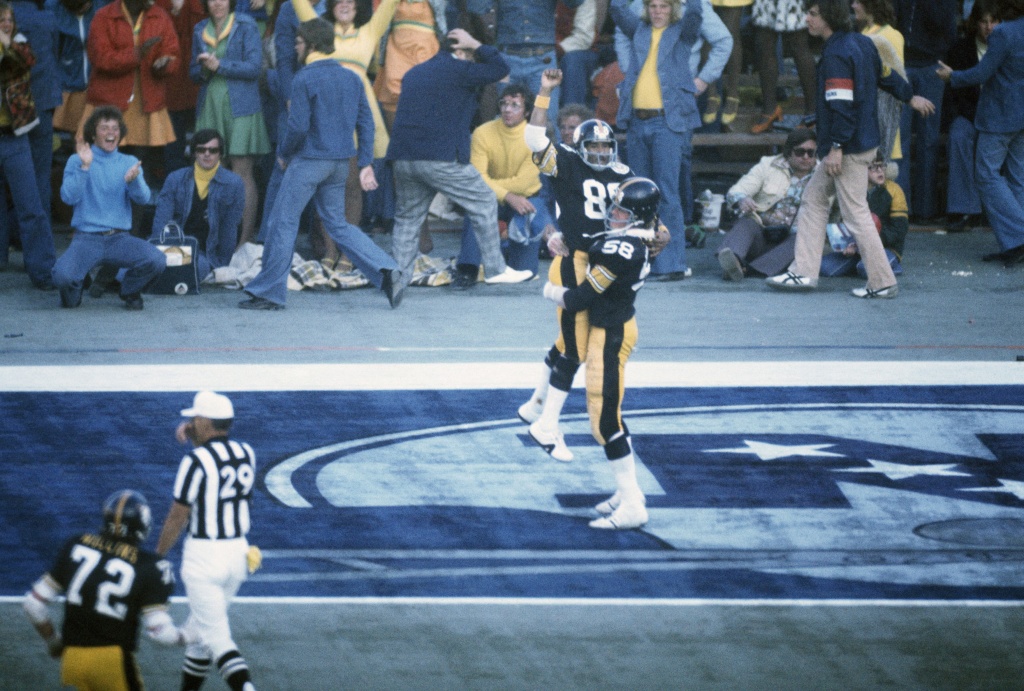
[{"x": 542, "y": 102}]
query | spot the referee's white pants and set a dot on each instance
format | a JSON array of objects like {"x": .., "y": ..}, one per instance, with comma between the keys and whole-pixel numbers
[{"x": 213, "y": 571}]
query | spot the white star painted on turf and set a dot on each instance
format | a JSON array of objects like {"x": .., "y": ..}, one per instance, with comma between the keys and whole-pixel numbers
[
  {"x": 900, "y": 471},
  {"x": 1014, "y": 487},
  {"x": 771, "y": 452}
]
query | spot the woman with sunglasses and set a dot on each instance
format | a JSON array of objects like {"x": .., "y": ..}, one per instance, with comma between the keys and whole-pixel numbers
[{"x": 767, "y": 198}]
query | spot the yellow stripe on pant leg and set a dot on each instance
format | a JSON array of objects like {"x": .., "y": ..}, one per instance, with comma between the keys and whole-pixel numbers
[{"x": 606, "y": 381}]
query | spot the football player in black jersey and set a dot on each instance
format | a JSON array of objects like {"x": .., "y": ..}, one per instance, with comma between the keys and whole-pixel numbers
[
  {"x": 618, "y": 262},
  {"x": 109, "y": 582},
  {"x": 584, "y": 174}
]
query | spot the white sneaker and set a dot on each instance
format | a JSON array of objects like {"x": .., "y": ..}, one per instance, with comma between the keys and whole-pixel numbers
[
  {"x": 530, "y": 411},
  {"x": 885, "y": 293},
  {"x": 628, "y": 516},
  {"x": 609, "y": 505},
  {"x": 791, "y": 281},
  {"x": 552, "y": 441},
  {"x": 510, "y": 275}
]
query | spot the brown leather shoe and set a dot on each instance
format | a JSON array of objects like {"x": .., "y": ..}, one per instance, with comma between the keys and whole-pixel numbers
[{"x": 765, "y": 122}]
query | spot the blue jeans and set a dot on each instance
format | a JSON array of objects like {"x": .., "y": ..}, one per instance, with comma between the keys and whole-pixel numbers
[
  {"x": 926, "y": 146},
  {"x": 527, "y": 70},
  {"x": 518, "y": 255},
  {"x": 33, "y": 219},
  {"x": 323, "y": 181},
  {"x": 577, "y": 66},
  {"x": 143, "y": 261},
  {"x": 962, "y": 196},
  {"x": 1003, "y": 197},
  {"x": 658, "y": 153}
]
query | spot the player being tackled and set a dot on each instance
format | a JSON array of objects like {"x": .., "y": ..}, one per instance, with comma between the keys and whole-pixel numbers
[{"x": 618, "y": 262}]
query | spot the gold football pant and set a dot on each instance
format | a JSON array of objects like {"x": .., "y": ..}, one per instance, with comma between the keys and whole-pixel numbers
[
  {"x": 573, "y": 327},
  {"x": 608, "y": 350},
  {"x": 103, "y": 668}
]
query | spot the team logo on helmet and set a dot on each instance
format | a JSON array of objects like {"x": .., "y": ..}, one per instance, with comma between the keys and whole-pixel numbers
[
  {"x": 126, "y": 516},
  {"x": 595, "y": 142}
]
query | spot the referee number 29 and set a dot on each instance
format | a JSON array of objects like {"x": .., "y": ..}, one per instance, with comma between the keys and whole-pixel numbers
[{"x": 236, "y": 482}]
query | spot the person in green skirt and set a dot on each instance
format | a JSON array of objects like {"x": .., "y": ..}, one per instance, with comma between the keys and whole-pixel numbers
[{"x": 226, "y": 63}]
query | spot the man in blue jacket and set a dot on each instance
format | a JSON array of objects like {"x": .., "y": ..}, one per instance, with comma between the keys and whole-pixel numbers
[
  {"x": 1000, "y": 125},
  {"x": 430, "y": 152},
  {"x": 328, "y": 110},
  {"x": 849, "y": 76},
  {"x": 206, "y": 201}
]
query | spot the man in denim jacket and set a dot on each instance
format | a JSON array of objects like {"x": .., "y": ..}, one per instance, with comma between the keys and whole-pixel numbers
[{"x": 206, "y": 201}]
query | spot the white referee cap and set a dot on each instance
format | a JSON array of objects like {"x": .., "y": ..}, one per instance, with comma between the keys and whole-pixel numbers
[{"x": 210, "y": 405}]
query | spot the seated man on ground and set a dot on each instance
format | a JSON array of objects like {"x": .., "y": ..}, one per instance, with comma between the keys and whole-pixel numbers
[
  {"x": 499, "y": 151},
  {"x": 206, "y": 201},
  {"x": 768, "y": 197}
]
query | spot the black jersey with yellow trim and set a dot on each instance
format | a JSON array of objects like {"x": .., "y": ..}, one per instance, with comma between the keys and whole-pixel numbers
[
  {"x": 583, "y": 194},
  {"x": 108, "y": 584},
  {"x": 618, "y": 267}
]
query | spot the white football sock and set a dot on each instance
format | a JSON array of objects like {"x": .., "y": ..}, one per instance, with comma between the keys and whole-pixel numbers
[{"x": 553, "y": 407}]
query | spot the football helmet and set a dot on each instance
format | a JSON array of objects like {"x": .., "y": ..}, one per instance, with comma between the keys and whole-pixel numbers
[
  {"x": 595, "y": 132},
  {"x": 638, "y": 198},
  {"x": 126, "y": 517}
]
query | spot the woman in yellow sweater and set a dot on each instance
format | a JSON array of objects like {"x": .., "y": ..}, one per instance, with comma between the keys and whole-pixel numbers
[{"x": 356, "y": 39}]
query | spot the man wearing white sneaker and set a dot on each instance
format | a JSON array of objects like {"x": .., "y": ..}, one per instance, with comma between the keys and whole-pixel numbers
[
  {"x": 430, "y": 151},
  {"x": 617, "y": 266},
  {"x": 849, "y": 75}
]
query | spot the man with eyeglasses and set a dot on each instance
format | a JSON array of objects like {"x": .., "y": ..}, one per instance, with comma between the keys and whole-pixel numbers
[
  {"x": 499, "y": 151},
  {"x": 768, "y": 198},
  {"x": 206, "y": 202},
  {"x": 849, "y": 75}
]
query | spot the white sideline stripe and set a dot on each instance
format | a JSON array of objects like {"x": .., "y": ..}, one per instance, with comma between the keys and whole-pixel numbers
[
  {"x": 497, "y": 375},
  {"x": 595, "y": 602}
]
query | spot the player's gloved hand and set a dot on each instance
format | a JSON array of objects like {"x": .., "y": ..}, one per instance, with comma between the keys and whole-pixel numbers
[
  {"x": 254, "y": 558},
  {"x": 660, "y": 241},
  {"x": 556, "y": 245},
  {"x": 555, "y": 293}
]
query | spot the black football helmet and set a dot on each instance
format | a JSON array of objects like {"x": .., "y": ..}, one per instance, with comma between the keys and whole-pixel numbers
[
  {"x": 639, "y": 198},
  {"x": 126, "y": 517},
  {"x": 595, "y": 132}
]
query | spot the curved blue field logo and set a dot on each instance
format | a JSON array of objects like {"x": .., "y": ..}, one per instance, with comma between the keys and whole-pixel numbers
[{"x": 837, "y": 492}]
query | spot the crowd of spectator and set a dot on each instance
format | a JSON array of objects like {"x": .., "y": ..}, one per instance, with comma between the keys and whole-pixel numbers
[{"x": 204, "y": 93}]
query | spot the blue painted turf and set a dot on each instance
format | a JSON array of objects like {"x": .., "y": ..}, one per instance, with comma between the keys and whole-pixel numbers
[{"x": 911, "y": 490}]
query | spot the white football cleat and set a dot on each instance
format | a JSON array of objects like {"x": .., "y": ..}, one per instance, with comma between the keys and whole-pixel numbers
[
  {"x": 552, "y": 441},
  {"x": 530, "y": 411},
  {"x": 609, "y": 505},
  {"x": 627, "y": 517},
  {"x": 510, "y": 275}
]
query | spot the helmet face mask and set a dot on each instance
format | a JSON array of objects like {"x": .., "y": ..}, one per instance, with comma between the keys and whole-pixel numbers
[
  {"x": 127, "y": 517},
  {"x": 595, "y": 143}
]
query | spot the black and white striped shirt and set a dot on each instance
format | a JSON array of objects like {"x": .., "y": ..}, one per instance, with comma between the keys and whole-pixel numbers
[{"x": 216, "y": 480}]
